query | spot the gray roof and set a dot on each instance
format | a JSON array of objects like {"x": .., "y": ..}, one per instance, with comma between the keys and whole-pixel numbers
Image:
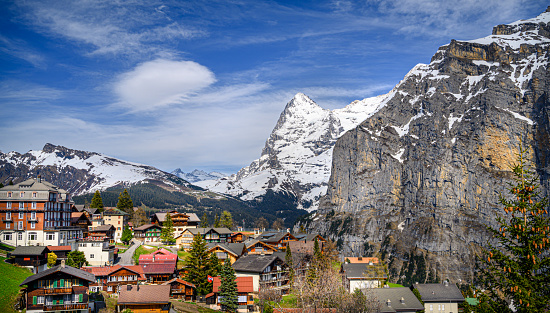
[
  {"x": 65, "y": 269},
  {"x": 235, "y": 248},
  {"x": 105, "y": 227},
  {"x": 114, "y": 211},
  {"x": 219, "y": 230},
  {"x": 254, "y": 263},
  {"x": 273, "y": 236},
  {"x": 29, "y": 250},
  {"x": 42, "y": 187},
  {"x": 401, "y": 299},
  {"x": 363, "y": 271},
  {"x": 147, "y": 226},
  {"x": 439, "y": 292},
  {"x": 192, "y": 217}
]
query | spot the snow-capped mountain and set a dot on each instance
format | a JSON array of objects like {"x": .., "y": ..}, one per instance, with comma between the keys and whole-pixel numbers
[
  {"x": 80, "y": 171},
  {"x": 197, "y": 175},
  {"x": 297, "y": 155}
]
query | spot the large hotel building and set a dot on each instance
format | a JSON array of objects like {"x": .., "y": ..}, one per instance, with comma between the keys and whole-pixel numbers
[{"x": 35, "y": 212}]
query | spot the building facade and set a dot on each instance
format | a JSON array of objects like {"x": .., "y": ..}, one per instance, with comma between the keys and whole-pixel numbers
[{"x": 117, "y": 218}]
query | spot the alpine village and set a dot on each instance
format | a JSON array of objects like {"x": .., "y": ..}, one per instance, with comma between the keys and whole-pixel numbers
[{"x": 435, "y": 201}]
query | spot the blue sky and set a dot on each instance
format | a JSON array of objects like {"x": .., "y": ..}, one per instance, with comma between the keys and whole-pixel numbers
[{"x": 201, "y": 84}]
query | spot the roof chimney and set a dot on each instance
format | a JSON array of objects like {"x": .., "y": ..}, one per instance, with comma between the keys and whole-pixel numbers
[
  {"x": 62, "y": 263},
  {"x": 39, "y": 178},
  {"x": 388, "y": 302},
  {"x": 402, "y": 300},
  {"x": 446, "y": 284}
]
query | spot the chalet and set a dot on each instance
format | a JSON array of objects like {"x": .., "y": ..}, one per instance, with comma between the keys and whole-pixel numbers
[
  {"x": 79, "y": 219},
  {"x": 180, "y": 289},
  {"x": 442, "y": 298},
  {"x": 397, "y": 300},
  {"x": 267, "y": 271},
  {"x": 245, "y": 288},
  {"x": 309, "y": 237},
  {"x": 144, "y": 298},
  {"x": 101, "y": 233},
  {"x": 33, "y": 257},
  {"x": 97, "y": 251},
  {"x": 60, "y": 288},
  {"x": 161, "y": 256},
  {"x": 238, "y": 237},
  {"x": 117, "y": 218},
  {"x": 367, "y": 260},
  {"x": 217, "y": 235},
  {"x": 276, "y": 239},
  {"x": 159, "y": 266},
  {"x": 361, "y": 276},
  {"x": 254, "y": 246},
  {"x": 111, "y": 278},
  {"x": 62, "y": 252},
  {"x": 231, "y": 251},
  {"x": 181, "y": 221},
  {"x": 148, "y": 233}
]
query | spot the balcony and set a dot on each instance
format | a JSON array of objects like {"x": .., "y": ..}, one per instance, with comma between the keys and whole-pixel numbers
[
  {"x": 57, "y": 291},
  {"x": 35, "y": 219},
  {"x": 7, "y": 219},
  {"x": 66, "y": 307}
]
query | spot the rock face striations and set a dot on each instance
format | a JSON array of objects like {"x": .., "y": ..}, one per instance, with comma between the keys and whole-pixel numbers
[
  {"x": 297, "y": 155},
  {"x": 79, "y": 171},
  {"x": 423, "y": 174}
]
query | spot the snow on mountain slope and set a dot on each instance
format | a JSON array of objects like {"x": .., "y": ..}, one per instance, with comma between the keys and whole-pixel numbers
[
  {"x": 297, "y": 155},
  {"x": 80, "y": 171},
  {"x": 197, "y": 175}
]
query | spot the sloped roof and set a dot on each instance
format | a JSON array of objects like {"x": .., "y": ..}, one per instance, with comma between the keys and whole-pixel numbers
[
  {"x": 304, "y": 247},
  {"x": 400, "y": 299},
  {"x": 439, "y": 292},
  {"x": 147, "y": 226},
  {"x": 254, "y": 263},
  {"x": 29, "y": 250},
  {"x": 105, "y": 227},
  {"x": 233, "y": 248},
  {"x": 363, "y": 271},
  {"x": 144, "y": 294},
  {"x": 192, "y": 216},
  {"x": 159, "y": 268},
  {"x": 251, "y": 242},
  {"x": 202, "y": 231},
  {"x": 60, "y": 248},
  {"x": 114, "y": 211},
  {"x": 374, "y": 260},
  {"x": 244, "y": 284},
  {"x": 108, "y": 270},
  {"x": 274, "y": 236},
  {"x": 69, "y": 270},
  {"x": 181, "y": 281}
]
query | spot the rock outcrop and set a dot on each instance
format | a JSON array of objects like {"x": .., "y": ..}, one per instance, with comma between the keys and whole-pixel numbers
[{"x": 424, "y": 173}]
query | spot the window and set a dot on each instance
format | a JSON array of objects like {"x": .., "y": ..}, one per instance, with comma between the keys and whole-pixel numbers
[
  {"x": 443, "y": 307},
  {"x": 8, "y": 225},
  {"x": 82, "y": 245},
  {"x": 20, "y": 235},
  {"x": 40, "y": 300},
  {"x": 33, "y": 225},
  {"x": 21, "y": 215},
  {"x": 50, "y": 236},
  {"x": 8, "y": 205},
  {"x": 21, "y": 205},
  {"x": 7, "y": 237},
  {"x": 8, "y": 216},
  {"x": 33, "y": 216},
  {"x": 21, "y": 194},
  {"x": 431, "y": 307},
  {"x": 9, "y": 194},
  {"x": 34, "y": 205},
  {"x": 32, "y": 236},
  {"x": 91, "y": 256},
  {"x": 20, "y": 226}
]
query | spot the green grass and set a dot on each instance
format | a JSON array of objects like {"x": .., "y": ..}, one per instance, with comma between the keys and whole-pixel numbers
[
  {"x": 289, "y": 301},
  {"x": 10, "y": 279},
  {"x": 142, "y": 250},
  {"x": 392, "y": 285},
  {"x": 183, "y": 254},
  {"x": 6, "y": 248}
]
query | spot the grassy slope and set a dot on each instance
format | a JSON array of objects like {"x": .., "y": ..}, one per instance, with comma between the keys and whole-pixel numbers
[
  {"x": 10, "y": 278},
  {"x": 143, "y": 250}
]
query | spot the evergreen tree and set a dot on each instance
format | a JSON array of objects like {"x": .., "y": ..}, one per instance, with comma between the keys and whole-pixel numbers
[
  {"x": 125, "y": 203},
  {"x": 204, "y": 221},
  {"x": 10, "y": 183},
  {"x": 126, "y": 235},
  {"x": 518, "y": 267},
  {"x": 167, "y": 232},
  {"x": 217, "y": 221},
  {"x": 226, "y": 220},
  {"x": 198, "y": 266},
  {"x": 289, "y": 262},
  {"x": 229, "y": 295},
  {"x": 1, "y": 185},
  {"x": 97, "y": 202},
  {"x": 76, "y": 259}
]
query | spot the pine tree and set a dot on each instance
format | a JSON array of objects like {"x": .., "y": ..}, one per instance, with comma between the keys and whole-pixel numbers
[
  {"x": 125, "y": 203},
  {"x": 217, "y": 221},
  {"x": 518, "y": 267},
  {"x": 198, "y": 266},
  {"x": 204, "y": 221},
  {"x": 97, "y": 202},
  {"x": 126, "y": 235},
  {"x": 167, "y": 232},
  {"x": 289, "y": 262},
  {"x": 1, "y": 185},
  {"x": 228, "y": 288},
  {"x": 226, "y": 220}
]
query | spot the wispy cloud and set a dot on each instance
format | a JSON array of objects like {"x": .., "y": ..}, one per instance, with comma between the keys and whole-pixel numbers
[
  {"x": 159, "y": 83},
  {"x": 20, "y": 49}
]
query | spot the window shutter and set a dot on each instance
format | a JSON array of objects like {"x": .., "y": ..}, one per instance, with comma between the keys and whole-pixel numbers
[
  {"x": 34, "y": 300},
  {"x": 62, "y": 283},
  {"x": 55, "y": 283},
  {"x": 80, "y": 298}
]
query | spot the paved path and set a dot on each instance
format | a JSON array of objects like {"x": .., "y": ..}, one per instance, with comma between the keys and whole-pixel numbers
[{"x": 126, "y": 257}]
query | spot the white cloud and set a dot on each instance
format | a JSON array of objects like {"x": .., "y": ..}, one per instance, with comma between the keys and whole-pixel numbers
[{"x": 159, "y": 83}]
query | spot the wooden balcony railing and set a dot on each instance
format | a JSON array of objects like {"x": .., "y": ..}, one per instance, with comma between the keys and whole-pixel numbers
[
  {"x": 66, "y": 307},
  {"x": 57, "y": 291}
]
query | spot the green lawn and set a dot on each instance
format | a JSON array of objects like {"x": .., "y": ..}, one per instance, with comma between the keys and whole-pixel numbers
[
  {"x": 143, "y": 250},
  {"x": 392, "y": 285},
  {"x": 10, "y": 279}
]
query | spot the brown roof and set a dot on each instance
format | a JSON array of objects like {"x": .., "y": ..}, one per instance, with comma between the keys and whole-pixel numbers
[
  {"x": 181, "y": 281},
  {"x": 59, "y": 248},
  {"x": 362, "y": 260},
  {"x": 244, "y": 284},
  {"x": 108, "y": 270},
  {"x": 144, "y": 294}
]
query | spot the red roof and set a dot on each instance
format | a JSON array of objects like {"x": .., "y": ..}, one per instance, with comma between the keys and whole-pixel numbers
[
  {"x": 108, "y": 270},
  {"x": 162, "y": 251},
  {"x": 244, "y": 284},
  {"x": 156, "y": 268},
  {"x": 59, "y": 248},
  {"x": 157, "y": 257}
]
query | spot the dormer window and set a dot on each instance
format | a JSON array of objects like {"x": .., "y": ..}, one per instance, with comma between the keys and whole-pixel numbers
[
  {"x": 21, "y": 194},
  {"x": 34, "y": 194},
  {"x": 9, "y": 194}
]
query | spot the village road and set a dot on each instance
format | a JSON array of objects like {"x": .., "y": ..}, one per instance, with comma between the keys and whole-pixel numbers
[{"x": 126, "y": 257}]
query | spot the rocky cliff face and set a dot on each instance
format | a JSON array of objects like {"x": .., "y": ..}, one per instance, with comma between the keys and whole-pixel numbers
[
  {"x": 423, "y": 174},
  {"x": 297, "y": 155},
  {"x": 79, "y": 171}
]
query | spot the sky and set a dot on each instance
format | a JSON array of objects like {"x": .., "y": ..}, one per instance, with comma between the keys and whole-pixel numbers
[{"x": 201, "y": 84}]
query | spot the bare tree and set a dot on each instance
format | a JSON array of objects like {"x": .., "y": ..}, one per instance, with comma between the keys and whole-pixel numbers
[
  {"x": 262, "y": 223},
  {"x": 278, "y": 224}
]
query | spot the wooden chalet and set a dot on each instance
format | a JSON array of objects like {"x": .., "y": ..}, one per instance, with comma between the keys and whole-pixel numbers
[
  {"x": 159, "y": 266},
  {"x": 100, "y": 233},
  {"x": 209, "y": 234},
  {"x": 231, "y": 251},
  {"x": 267, "y": 271},
  {"x": 238, "y": 237},
  {"x": 80, "y": 219},
  {"x": 111, "y": 278},
  {"x": 148, "y": 233},
  {"x": 245, "y": 288},
  {"x": 180, "y": 220},
  {"x": 60, "y": 288},
  {"x": 255, "y": 246},
  {"x": 144, "y": 298},
  {"x": 180, "y": 289},
  {"x": 277, "y": 239},
  {"x": 309, "y": 237},
  {"x": 32, "y": 257},
  {"x": 62, "y": 252}
]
